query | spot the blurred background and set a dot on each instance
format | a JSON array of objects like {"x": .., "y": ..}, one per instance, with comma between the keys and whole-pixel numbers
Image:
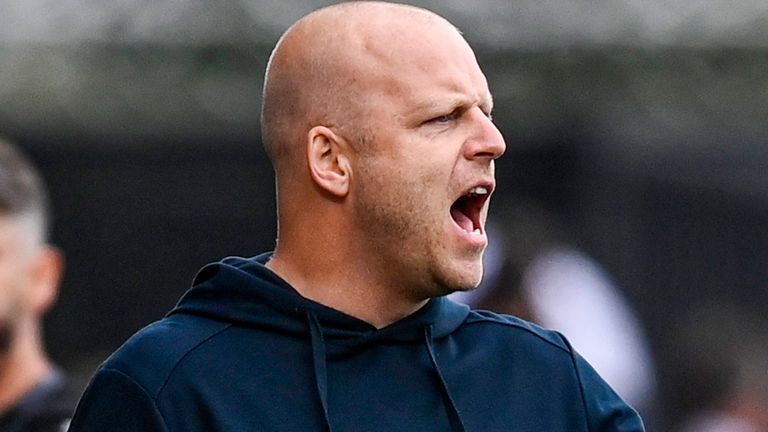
[{"x": 640, "y": 126}]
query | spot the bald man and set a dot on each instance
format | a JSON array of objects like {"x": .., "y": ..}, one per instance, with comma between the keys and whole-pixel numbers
[
  {"x": 377, "y": 119},
  {"x": 34, "y": 394}
]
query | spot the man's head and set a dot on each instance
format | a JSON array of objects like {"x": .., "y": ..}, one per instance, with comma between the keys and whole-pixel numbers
[
  {"x": 379, "y": 115},
  {"x": 29, "y": 270}
]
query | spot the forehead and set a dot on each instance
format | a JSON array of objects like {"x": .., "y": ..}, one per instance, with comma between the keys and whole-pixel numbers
[{"x": 425, "y": 68}]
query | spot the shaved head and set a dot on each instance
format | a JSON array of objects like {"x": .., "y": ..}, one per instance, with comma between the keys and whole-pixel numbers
[
  {"x": 325, "y": 67},
  {"x": 377, "y": 119}
]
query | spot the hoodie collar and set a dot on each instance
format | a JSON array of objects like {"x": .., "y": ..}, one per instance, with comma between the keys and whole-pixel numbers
[{"x": 244, "y": 291}]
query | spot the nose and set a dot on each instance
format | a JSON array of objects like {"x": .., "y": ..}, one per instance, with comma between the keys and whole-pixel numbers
[{"x": 486, "y": 140}]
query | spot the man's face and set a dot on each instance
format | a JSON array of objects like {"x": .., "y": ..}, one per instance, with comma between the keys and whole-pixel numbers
[
  {"x": 16, "y": 249},
  {"x": 422, "y": 190}
]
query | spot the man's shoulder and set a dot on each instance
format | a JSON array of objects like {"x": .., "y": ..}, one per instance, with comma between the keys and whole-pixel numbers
[
  {"x": 150, "y": 356},
  {"x": 511, "y": 327},
  {"x": 517, "y": 349}
]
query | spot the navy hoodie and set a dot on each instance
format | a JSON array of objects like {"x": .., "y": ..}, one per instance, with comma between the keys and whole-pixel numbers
[{"x": 243, "y": 351}]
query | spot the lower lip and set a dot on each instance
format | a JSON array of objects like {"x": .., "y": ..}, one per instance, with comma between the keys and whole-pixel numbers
[{"x": 473, "y": 240}]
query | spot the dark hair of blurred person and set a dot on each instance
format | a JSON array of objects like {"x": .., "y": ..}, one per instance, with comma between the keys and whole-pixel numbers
[{"x": 34, "y": 395}]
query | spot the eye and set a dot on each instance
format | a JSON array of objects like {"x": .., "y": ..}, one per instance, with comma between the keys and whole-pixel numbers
[{"x": 445, "y": 118}]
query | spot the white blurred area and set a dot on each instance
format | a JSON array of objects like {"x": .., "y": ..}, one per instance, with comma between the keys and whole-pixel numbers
[
  {"x": 572, "y": 293},
  {"x": 560, "y": 287}
]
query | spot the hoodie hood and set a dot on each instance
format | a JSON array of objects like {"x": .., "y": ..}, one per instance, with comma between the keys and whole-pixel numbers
[{"x": 244, "y": 291}]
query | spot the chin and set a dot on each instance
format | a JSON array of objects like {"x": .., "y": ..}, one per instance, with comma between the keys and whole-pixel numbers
[{"x": 465, "y": 277}]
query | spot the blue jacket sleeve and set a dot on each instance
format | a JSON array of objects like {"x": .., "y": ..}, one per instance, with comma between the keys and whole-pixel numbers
[
  {"x": 114, "y": 402},
  {"x": 606, "y": 411}
]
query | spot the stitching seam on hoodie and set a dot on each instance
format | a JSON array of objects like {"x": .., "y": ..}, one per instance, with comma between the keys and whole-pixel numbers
[
  {"x": 181, "y": 359},
  {"x": 143, "y": 390}
]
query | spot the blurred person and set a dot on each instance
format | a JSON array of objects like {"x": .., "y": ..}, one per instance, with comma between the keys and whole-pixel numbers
[
  {"x": 721, "y": 381},
  {"x": 536, "y": 271},
  {"x": 377, "y": 119},
  {"x": 34, "y": 393}
]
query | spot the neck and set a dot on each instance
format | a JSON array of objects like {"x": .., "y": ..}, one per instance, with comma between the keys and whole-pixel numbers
[
  {"x": 337, "y": 286},
  {"x": 333, "y": 270},
  {"x": 23, "y": 366},
  {"x": 326, "y": 262}
]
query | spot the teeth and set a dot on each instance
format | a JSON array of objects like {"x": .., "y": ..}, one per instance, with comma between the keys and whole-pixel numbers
[
  {"x": 476, "y": 232},
  {"x": 478, "y": 190}
]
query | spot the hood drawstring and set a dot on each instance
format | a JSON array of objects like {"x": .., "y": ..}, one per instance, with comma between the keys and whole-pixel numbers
[
  {"x": 453, "y": 413},
  {"x": 319, "y": 362},
  {"x": 321, "y": 373}
]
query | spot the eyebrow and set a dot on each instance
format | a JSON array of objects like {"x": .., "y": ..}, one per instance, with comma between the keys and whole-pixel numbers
[{"x": 452, "y": 103}]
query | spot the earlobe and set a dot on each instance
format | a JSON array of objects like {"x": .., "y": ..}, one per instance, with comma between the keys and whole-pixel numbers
[{"x": 328, "y": 161}]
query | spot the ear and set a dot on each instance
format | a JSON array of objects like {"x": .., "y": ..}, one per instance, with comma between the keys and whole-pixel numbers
[
  {"x": 46, "y": 275},
  {"x": 329, "y": 163}
]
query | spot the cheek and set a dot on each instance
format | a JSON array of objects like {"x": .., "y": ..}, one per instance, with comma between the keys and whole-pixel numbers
[
  {"x": 12, "y": 283},
  {"x": 418, "y": 196},
  {"x": 8, "y": 295},
  {"x": 395, "y": 204},
  {"x": 404, "y": 192},
  {"x": 10, "y": 307}
]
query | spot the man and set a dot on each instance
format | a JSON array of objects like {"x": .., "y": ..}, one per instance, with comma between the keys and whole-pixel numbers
[
  {"x": 377, "y": 119},
  {"x": 33, "y": 394}
]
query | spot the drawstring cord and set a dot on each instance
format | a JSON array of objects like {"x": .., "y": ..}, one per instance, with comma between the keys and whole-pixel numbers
[
  {"x": 453, "y": 413},
  {"x": 319, "y": 362},
  {"x": 321, "y": 374}
]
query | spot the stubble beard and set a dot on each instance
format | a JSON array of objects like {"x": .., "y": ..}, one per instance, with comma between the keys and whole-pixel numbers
[{"x": 401, "y": 229}]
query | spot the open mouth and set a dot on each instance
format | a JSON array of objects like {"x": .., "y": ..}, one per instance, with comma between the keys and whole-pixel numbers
[{"x": 466, "y": 210}]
